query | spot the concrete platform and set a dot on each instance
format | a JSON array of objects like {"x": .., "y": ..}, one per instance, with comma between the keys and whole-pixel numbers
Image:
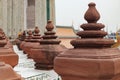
[{"x": 26, "y": 69}]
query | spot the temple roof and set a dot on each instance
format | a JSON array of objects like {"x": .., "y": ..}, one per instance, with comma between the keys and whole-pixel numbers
[{"x": 66, "y": 31}]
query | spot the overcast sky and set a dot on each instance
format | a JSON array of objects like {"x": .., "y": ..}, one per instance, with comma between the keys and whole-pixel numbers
[{"x": 68, "y": 11}]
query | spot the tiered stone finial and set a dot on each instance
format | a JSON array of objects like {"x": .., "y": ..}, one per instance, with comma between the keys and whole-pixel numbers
[
  {"x": 92, "y": 57},
  {"x": 32, "y": 42},
  {"x": 23, "y": 36},
  {"x": 20, "y": 39},
  {"x": 3, "y": 41},
  {"x": 29, "y": 37},
  {"x": 49, "y": 26},
  {"x": 36, "y": 34},
  {"x": 49, "y": 48},
  {"x": 50, "y": 37},
  {"x": 92, "y": 36},
  {"x": 2, "y": 34},
  {"x": 29, "y": 33},
  {"x": 92, "y": 15},
  {"x": 7, "y": 53},
  {"x": 36, "y": 31}
]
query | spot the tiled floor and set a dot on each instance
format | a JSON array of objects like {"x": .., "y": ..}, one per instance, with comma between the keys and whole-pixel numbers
[{"x": 26, "y": 69}]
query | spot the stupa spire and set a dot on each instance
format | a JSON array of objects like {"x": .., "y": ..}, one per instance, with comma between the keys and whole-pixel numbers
[
  {"x": 92, "y": 35},
  {"x": 3, "y": 40},
  {"x": 92, "y": 57},
  {"x": 50, "y": 37}
]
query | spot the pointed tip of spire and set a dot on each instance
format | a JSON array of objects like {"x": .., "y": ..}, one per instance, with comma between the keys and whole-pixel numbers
[
  {"x": 49, "y": 21},
  {"x": 92, "y": 15},
  {"x": 91, "y": 4},
  {"x": 49, "y": 26},
  {"x": 36, "y": 30},
  {"x": 29, "y": 32}
]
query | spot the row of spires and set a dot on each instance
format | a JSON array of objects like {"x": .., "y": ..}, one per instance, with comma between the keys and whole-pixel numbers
[{"x": 92, "y": 57}]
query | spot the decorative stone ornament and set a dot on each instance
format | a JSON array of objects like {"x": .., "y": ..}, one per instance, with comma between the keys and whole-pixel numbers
[
  {"x": 3, "y": 41},
  {"x": 20, "y": 38},
  {"x": 7, "y": 73},
  {"x": 36, "y": 31},
  {"x": 92, "y": 15},
  {"x": 7, "y": 53},
  {"x": 49, "y": 48},
  {"x": 33, "y": 42},
  {"x": 36, "y": 36},
  {"x": 27, "y": 39},
  {"x": 92, "y": 57}
]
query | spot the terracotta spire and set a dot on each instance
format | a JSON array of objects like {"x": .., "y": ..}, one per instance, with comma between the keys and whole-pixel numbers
[
  {"x": 2, "y": 34},
  {"x": 32, "y": 42},
  {"x": 49, "y": 26},
  {"x": 29, "y": 37},
  {"x": 3, "y": 40},
  {"x": 36, "y": 31},
  {"x": 92, "y": 57},
  {"x": 50, "y": 37},
  {"x": 92, "y": 15},
  {"x": 92, "y": 35},
  {"x": 22, "y": 36},
  {"x": 49, "y": 48},
  {"x": 36, "y": 36},
  {"x": 7, "y": 53}
]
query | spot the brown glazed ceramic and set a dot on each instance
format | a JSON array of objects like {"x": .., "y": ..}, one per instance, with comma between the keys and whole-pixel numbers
[
  {"x": 7, "y": 73},
  {"x": 49, "y": 48},
  {"x": 92, "y": 57},
  {"x": 7, "y": 53}
]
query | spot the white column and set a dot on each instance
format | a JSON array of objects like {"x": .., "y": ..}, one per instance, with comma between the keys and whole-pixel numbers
[
  {"x": 22, "y": 14},
  {"x": 9, "y": 18},
  {"x": 25, "y": 16},
  {"x": 4, "y": 15},
  {"x": 12, "y": 16},
  {"x": 52, "y": 11},
  {"x": 40, "y": 15},
  {"x": 15, "y": 18},
  {"x": 19, "y": 16}
]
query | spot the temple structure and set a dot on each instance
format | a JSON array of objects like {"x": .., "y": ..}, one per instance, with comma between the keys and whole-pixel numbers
[{"x": 18, "y": 15}]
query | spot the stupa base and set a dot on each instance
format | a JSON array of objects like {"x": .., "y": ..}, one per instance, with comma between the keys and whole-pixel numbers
[{"x": 88, "y": 65}]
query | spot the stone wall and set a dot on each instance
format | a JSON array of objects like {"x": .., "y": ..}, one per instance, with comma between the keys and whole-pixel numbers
[{"x": 13, "y": 17}]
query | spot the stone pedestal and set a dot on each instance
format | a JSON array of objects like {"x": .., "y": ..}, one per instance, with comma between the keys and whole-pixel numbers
[
  {"x": 92, "y": 57},
  {"x": 49, "y": 48},
  {"x": 7, "y": 73},
  {"x": 7, "y": 53}
]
